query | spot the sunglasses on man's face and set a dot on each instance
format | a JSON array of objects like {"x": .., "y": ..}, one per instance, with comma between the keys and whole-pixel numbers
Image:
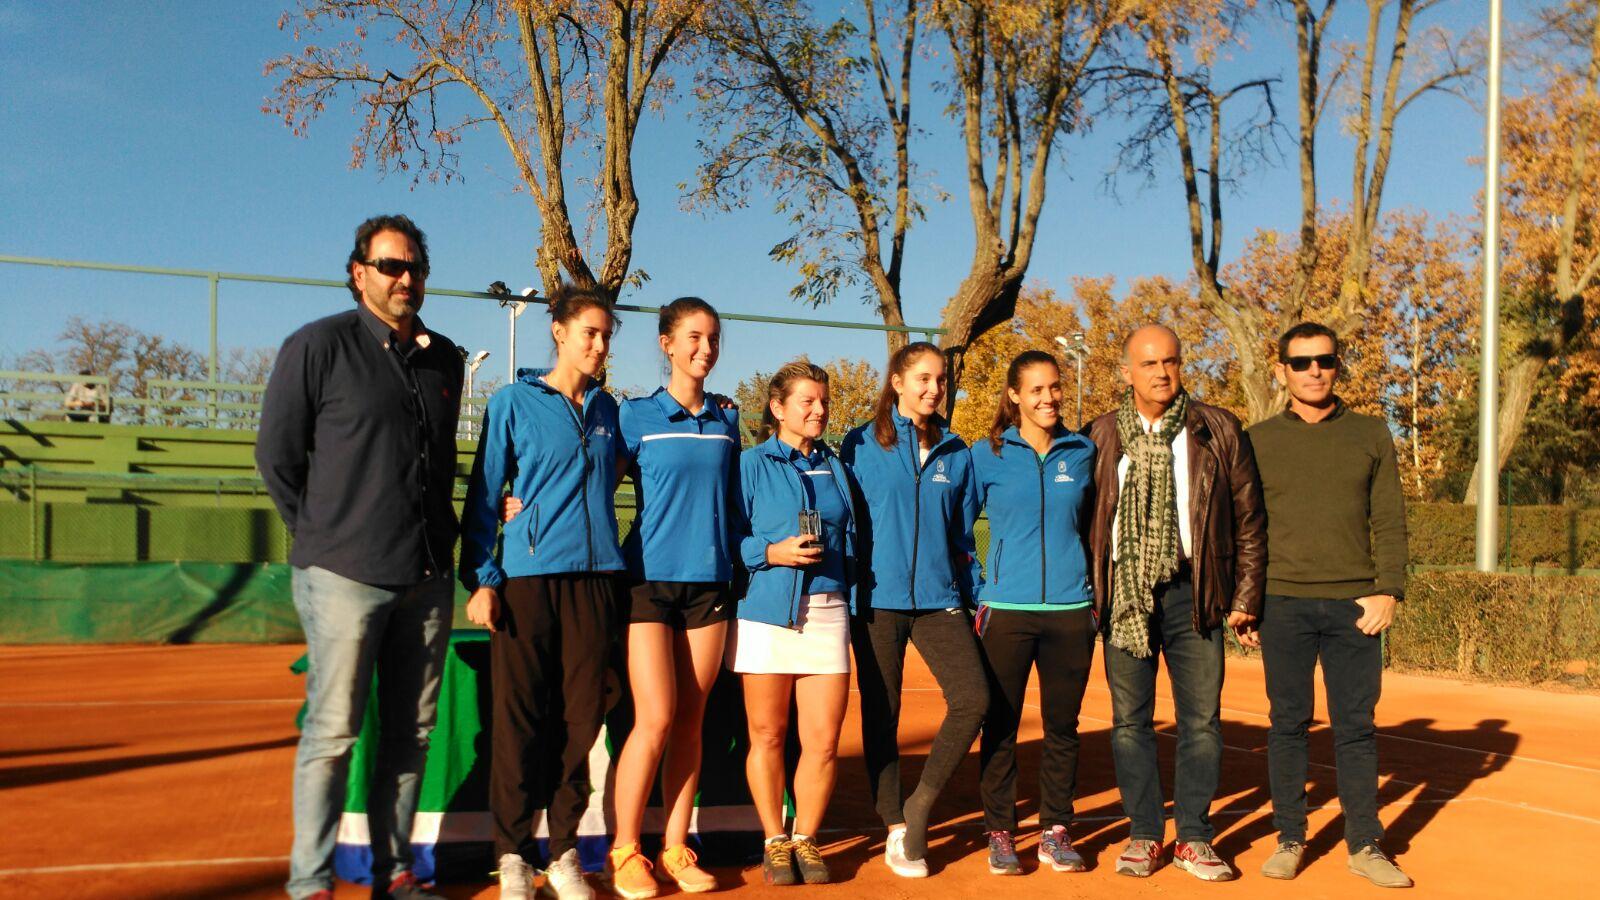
[
  {"x": 1324, "y": 361},
  {"x": 394, "y": 268}
]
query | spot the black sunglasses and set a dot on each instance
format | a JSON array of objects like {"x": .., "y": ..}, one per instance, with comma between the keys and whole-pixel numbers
[
  {"x": 1323, "y": 361},
  {"x": 394, "y": 268}
]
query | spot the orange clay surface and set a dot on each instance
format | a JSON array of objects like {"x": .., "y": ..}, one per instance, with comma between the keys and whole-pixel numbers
[{"x": 141, "y": 772}]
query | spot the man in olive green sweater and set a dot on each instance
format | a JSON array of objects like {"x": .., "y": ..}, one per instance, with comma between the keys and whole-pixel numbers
[{"x": 1336, "y": 566}]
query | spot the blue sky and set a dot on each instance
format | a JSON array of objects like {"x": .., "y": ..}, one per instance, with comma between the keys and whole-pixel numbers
[{"x": 134, "y": 134}]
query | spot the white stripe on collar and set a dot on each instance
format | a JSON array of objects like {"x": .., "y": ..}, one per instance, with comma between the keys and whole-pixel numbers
[{"x": 685, "y": 434}]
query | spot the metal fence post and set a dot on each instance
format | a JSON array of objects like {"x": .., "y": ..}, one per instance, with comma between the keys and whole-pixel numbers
[
  {"x": 211, "y": 364},
  {"x": 33, "y": 513}
]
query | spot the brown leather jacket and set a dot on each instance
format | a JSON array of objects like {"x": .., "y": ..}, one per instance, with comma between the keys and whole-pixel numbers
[{"x": 1228, "y": 518}]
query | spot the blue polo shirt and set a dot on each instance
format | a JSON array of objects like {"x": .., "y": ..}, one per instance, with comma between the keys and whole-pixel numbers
[{"x": 685, "y": 468}]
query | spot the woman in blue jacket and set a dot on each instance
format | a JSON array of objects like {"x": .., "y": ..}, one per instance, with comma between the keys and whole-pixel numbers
[
  {"x": 918, "y": 564},
  {"x": 1034, "y": 612},
  {"x": 549, "y": 592},
  {"x": 792, "y": 636}
]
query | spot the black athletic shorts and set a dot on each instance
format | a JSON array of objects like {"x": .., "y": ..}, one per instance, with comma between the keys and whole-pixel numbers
[{"x": 682, "y": 605}]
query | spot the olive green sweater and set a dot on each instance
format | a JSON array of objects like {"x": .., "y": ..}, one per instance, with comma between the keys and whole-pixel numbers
[{"x": 1336, "y": 518}]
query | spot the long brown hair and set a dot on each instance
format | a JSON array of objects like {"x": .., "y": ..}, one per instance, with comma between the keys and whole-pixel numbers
[
  {"x": 781, "y": 385},
  {"x": 883, "y": 410},
  {"x": 1006, "y": 412}
]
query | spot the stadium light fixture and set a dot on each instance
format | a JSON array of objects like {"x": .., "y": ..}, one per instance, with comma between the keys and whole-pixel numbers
[{"x": 1077, "y": 348}]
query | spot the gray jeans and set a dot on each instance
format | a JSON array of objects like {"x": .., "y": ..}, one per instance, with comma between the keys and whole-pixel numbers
[{"x": 354, "y": 631}]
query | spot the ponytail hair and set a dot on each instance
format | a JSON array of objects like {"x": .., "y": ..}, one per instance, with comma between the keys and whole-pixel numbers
[
  {"x": 781, "y": 385},
  {"x": 670, "y": 314},
  {"x": 883, "y": 410},
  {"x": 1006, "y": 412},
  {"x": 567, "y": 301}
]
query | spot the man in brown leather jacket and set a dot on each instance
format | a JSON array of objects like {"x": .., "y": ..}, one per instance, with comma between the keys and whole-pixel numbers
[{"x": 1178, "y": 544}]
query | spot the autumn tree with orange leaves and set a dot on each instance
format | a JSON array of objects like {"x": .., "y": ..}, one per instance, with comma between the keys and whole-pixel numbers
[{"x": 1551, "y": 217}]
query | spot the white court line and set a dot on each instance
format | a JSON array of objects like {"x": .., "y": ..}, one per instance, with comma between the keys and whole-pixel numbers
[
  {"x": 1410, "y": 740},
  {"x": 41, "y": 704},
  {"x": 1259, "y": 751},
  {"x": 152, "y": 864},
  {"x": 1381, "y": 733}
]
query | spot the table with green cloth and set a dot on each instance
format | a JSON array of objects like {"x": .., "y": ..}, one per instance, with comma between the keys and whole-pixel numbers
[{"x": 451, "y": 835}]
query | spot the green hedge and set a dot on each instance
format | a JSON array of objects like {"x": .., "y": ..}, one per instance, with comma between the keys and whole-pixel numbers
[
  {"x": 1500, "y": 627},
  {"x": 1445, "y": 534}
]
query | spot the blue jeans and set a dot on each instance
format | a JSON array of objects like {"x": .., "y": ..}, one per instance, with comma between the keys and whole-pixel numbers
[
  {"x": 353, "y": 630},
  {"x": 1295, "y": 633},
  {"x": 1194, "y": 662}
]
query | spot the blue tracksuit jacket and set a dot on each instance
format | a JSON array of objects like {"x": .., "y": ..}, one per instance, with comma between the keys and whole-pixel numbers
[
  {"x": 1038, "y": 520},
  {"x": 561, "y": 463},
  {"x": 770, "y": 499},
  {"x": 917, "y": 550}
]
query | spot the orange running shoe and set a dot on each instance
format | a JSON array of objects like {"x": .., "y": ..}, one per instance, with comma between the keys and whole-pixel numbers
[
  {"x": 630, "y": 873},
  {"x": 678, "y": 864}
]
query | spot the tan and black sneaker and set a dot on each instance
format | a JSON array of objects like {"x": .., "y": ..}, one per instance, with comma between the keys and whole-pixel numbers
[
  {"x": 1284, "y": 863},
  {"x": 1371, "y": 863},
  {"x": 808, "y": 859}
]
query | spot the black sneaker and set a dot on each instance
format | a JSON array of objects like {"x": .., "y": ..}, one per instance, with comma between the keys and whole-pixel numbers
[
  {"x": 808, "y": 859},
  {"x": 405, "y": 886},
  {"x": 777, "y": 863}
]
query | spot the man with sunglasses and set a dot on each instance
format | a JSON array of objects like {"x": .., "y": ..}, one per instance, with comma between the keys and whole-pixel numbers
[
  {"x": 357, "y": 448},
  {"x": 1336, "y": 566}
]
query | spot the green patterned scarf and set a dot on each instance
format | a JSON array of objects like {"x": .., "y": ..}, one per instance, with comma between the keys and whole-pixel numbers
[{"x": 1147, "y": 522}]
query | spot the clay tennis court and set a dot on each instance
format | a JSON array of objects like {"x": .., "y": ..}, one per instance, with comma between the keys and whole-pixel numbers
[{"x": 144, "y": 772}]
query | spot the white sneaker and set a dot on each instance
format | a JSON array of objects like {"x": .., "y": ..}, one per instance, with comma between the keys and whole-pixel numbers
[
  {"x": 894, "y": 855},
  {"x": 564, "y": 878},
  {"x": 516, "y": 878}
]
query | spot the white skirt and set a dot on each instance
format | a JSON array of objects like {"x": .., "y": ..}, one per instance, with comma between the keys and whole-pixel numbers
[{"x": 819, "y": 644}]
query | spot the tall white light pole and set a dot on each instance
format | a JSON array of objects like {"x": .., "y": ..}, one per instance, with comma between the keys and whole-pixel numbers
[
  {"x": 517, "y": 308},
  {"x": 472, "y": 370},
  {"x": 1489, "y": 370},
  {"x": 1077, "y": 348}
]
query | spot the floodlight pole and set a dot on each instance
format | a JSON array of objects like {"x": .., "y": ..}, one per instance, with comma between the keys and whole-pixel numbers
[
  {"x": 1489, "y": 367},
  {"x": 517, "y": 308}
]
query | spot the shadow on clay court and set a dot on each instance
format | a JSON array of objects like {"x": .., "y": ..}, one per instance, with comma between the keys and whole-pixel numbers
[
  {"x": 27, "y": 776},
  {"x": 51, "y": 751}
]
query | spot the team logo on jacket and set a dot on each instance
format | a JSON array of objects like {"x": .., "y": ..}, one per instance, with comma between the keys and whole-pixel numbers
[
  {"x": 600, "y": 431},
  {"x": 938, "y": 473},
  {"x": 1061, "y": 473}
]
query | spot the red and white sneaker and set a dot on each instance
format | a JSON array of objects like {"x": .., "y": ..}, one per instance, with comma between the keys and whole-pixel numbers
[
  {"x": 1139, "y": 858},
  {"x": 1198, "y": 859}
]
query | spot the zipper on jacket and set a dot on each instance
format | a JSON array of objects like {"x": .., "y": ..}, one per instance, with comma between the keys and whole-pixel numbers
[
  {"x": 533, "y": 528},
  {"x": 583, "y": 478},
  {"x": 916, "y": 504},
  {"x": 794, "y": 592},
  {"x": 1043, "y": 544}
]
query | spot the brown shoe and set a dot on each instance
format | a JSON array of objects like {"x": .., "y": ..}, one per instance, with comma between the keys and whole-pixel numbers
[
  {"x": 1284, "y": 863},
  {"x": 1371, "y": 863}
]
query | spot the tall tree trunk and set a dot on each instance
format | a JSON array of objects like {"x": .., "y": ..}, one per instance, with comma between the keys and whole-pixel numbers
[{"x": 1516, "y": 397}]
